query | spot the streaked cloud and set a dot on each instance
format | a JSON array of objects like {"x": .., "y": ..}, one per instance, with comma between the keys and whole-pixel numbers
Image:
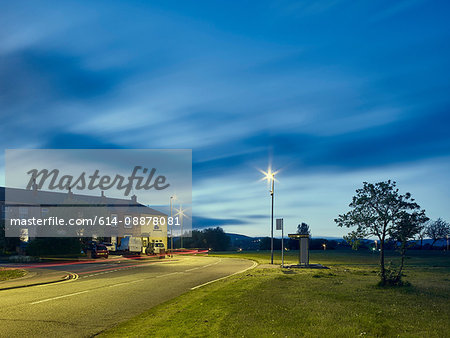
[{"x": 334, "y": 92}]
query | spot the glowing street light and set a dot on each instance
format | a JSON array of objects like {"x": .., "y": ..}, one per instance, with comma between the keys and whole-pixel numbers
[
  {"x": 171, "y": 225},
  {"x": 269, "y": 176},
  {"x": 181, "y": 214}
]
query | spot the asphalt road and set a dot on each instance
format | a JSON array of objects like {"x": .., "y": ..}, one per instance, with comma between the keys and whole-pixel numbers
[{"x": 104, "y": 294}]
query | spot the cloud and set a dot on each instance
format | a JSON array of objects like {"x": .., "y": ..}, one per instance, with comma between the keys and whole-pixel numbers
[
  {"x": 35, "y": 73},
  {"x": 199, "y": 222},
  {"x": 44, "y": 92},
  {"x": 322, "y": 89},
  {"x": 79, "y": 141}
]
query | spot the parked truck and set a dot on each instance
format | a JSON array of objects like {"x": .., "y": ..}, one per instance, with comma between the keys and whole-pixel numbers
[
  {"x": 135, "y": 245},
  {"x": 130, "y": 245},
  {"x": 156, "y": 248}
]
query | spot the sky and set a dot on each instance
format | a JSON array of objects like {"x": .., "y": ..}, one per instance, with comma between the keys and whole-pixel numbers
[{"x": 331, "y": 93}]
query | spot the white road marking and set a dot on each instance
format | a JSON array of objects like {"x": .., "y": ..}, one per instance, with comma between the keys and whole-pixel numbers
[
  {"x": 140, "y": 280},
  {"x": 135, "y": 281},
  {"x": 204, "y": 266},
  {"x": 192, "y": 269},
  {"x": 218, "y": 279},
  {"x": 59, "y": 297},
  {"x": 169, "y": 274},
  {"x": 128, "y": 267}
]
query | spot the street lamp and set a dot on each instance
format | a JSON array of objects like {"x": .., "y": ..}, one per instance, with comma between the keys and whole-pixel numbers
[
  {"x": 171, "y": 225},
  {"x": 269, "y": 176},
  {"x": 180, "y": 213}
]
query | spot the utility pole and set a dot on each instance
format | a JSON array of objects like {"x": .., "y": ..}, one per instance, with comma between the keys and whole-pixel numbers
[{"x": 171, "y": 227}]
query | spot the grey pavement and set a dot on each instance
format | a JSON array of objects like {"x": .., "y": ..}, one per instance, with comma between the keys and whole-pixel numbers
[{"x": 104, "y": 294}]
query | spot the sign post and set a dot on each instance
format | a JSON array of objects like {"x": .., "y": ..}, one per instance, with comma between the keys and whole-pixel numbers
[{"x": 280, "y": 226}]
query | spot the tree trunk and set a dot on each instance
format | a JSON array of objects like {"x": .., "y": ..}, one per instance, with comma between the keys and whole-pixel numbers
[
  {"x": 421, "y": 242},
  {"x": 382, "y": 269},
  {"x": 402, "y": 261},
  {"x": 432, "y": 244}
]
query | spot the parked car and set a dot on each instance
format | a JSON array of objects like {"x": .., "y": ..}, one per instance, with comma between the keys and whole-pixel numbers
[
  {"x": 89, "y": 247},
  {"x": 99, "y": 250}
]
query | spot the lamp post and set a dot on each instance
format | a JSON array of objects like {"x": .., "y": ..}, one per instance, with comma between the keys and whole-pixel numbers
[
  {"x": 171, "y": 226},
  {"x": 272, "y": 192},
  {"x": 181, "y": 232},
  {"x": 180, "y": 213},
  {"x": 270, "y": 177}
]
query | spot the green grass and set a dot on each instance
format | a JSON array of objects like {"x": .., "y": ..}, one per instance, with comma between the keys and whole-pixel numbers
[
  {"x": 6, "y": 274},
  {"x": 345, "y": 257},
  {"x": 341, "y": 301}
]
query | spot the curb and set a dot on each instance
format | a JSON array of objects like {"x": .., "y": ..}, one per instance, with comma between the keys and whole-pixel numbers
[
  {"x": 66, "y": 278},
  {"x": 255, "y": 264}
]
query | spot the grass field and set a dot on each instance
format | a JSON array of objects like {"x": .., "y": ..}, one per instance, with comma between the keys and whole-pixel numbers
[
  {"x": 6, "y": 274},
  {"x": 341, "y": 301}
]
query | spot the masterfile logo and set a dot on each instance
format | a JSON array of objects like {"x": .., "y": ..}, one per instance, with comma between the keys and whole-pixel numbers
[
  {"x": 94, "y": 192},
  {"x": 53, "y": 180}
]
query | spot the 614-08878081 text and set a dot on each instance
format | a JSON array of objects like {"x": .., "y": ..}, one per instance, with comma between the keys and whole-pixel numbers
[{"x": 102, "y": 221}]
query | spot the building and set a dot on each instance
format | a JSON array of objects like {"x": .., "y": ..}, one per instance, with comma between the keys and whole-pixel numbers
[{"x": 115, "y": 218}]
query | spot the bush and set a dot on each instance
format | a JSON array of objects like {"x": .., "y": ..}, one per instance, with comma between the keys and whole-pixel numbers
[
  {"x": 53, "y": 246},
  {"x": 392, "y": 277},
  {"x": 23, "y": 259}
]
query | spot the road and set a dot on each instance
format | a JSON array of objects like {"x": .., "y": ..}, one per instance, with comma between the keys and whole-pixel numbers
[{"x": 104, "y": 294}]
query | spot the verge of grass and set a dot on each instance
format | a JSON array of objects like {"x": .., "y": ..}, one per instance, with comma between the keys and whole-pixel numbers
[
  {"x": 341, "y": 301},
  {"x": 345, "y": 257},
  {"x": 6, "y": 274}
]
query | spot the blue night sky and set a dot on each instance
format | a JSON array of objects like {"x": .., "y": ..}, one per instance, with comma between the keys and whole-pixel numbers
[{"x": 332, "y": 93}]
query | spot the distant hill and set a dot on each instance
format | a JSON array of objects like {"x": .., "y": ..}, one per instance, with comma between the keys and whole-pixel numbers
[
  {"x": 248, "y": 242},
  {"x": 245, "y": 242},
  {"x": 240, "y": 237}
]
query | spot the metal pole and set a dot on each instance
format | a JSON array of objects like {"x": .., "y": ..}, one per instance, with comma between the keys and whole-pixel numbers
[
  {"x": 282, "y": 244},
  {"x": 271, "y": 234},
  {"x": 171, "y": 227},
  {"x": 181, "y": 235}
]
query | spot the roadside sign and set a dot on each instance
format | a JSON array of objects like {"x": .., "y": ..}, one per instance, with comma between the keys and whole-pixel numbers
[
  {"x": 280, "y": 227},
  {"x": 279, "y": 224}
]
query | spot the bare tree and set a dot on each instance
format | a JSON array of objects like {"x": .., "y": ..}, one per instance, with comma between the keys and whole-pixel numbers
[
  {"x": 421, "y": 235},
  {"x": 437, "y": 230}
]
